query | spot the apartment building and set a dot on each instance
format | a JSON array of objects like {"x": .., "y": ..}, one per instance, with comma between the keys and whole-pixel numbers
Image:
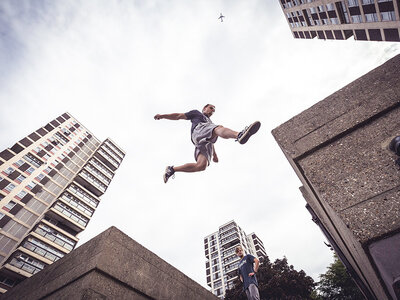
[
  {"x": 221, "y": 259},
  {"x": 51, "y": 182},
  {"x": 365, "y": 20}
]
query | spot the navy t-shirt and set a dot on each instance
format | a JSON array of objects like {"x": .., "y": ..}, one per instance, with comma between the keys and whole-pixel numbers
[
  {"x": 196, "y": 117},
  {"x": 245, "y": 268}
]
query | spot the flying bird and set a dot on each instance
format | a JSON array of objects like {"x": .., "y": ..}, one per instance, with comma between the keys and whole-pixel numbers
[{"x": 221, "y": 17}]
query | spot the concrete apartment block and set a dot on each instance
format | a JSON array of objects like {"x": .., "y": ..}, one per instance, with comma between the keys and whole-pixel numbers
[
  {"x": 365, "y": 20},
  {"x": 339, "y": 150},
  {"x": 109, "y": 266},
  {"x": 51, "y": 183}
]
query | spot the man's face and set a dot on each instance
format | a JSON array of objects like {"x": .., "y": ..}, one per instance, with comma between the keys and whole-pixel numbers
[
  {"x": 239, "y": 252},
  {"x": 209, "y": 110}
]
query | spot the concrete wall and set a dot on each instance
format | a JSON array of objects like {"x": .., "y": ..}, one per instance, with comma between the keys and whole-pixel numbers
[
  {"x": 110, "y": 266},
  {"x": 338, "y": 148}
]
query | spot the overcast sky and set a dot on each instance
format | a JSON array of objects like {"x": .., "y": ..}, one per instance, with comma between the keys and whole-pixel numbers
[{"x": 115, "y": 64}]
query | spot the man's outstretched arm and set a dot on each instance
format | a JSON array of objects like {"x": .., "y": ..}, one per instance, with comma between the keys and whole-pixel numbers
[{"x": 174, "y": 116}]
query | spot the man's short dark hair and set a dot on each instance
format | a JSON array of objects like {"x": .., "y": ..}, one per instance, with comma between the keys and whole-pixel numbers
[{"x": 207, "y": 105}]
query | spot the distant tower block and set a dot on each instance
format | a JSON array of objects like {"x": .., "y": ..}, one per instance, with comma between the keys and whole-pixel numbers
[
  {"x": 50, "y": 186},
  {"x": 222, "y": 261},
  {"x": 339, "y": 149}
]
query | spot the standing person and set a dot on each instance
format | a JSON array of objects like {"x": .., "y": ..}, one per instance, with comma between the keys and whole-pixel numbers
[
  {"x": 248, "y": 267},
  {"x": 204, "y": 134}
]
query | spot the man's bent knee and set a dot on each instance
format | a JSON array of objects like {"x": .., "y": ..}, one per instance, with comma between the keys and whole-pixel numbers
[{"x": 201, "y": 166}]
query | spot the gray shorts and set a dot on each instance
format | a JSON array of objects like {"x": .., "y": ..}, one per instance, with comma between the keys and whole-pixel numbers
[{"x": 203, "y": 141}]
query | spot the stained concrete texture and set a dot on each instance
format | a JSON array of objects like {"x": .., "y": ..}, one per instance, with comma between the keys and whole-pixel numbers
[
  {"x": 339, "y": 150},
  {"x": 110, "y": 266}
]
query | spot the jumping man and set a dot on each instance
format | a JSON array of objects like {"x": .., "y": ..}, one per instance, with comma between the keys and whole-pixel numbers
[
  {"x": 248, "y": 267},
  {"x": 204, "y": 135}
]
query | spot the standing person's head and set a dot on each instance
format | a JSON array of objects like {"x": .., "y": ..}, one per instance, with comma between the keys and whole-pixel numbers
[
  {"x": 208, "y": 110},
  {"x": 239, "y": 251}
]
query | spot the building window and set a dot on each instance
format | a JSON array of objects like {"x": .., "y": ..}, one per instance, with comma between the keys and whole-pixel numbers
[
  {"x": 26, "y": 263},
  {"x": 335, "y": 21},
  {"x": 9, "y": 188},
  {"x": 77, "y": 204},
  {"x": 20, "y": 178},
  {"x": 30, "y": 185},
  {"x": 8, "y": 171},
  {"x": 216, "y": 276},
  {"x": 388, "y": 16},
  {"x": 43, "y": 249},
  {"x": 352, "y": 3},
  {"x": 39, "y": 177},
  {"x": 33, "y": 160},
  {"x": 371, "y": 17},
  {"x": 19, "y": 163},
  {"x": 70, "y": 213},
  {"x": 356, "y": 19},
  {"x": 30, "y": 170},
  {"x": 9, "y": 206},
  {"x": 367, "y": 1},
  {"x": 21, "y": 195},
  {"x": 217, "y": 284},
  {"x": 7, "y": 281},
  {"x": 55, "y": 236},
  {"x": 330, "y": 6}
]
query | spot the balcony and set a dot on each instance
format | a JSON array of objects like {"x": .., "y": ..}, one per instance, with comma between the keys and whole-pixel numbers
[
  {"x": 83, "y": 195},
  {"x": 90, "y": 183},
  {"x": 227, "y": 227},
  {"x": 115, "y": 148},
  {"x": 24, "y": 265},
  {"x": 41, "y": 250},
  {"x": 102, "y": 167},
  {"x": 229, "y": 242},
  {"x": 106, "y": 159},
  {"x": 110, "y": 152},
  {"x": 68, "y": 217},
  {"x": 97, "y": 174},
  {"x": 54, "y": 236}
]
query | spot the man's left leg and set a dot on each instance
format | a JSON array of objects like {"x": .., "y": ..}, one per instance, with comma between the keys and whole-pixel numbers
[{"x": 252, "y": 292}]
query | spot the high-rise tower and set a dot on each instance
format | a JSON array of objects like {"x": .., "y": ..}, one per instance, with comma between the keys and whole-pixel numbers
[
  {"x": 372, "y": 20},
  {"x": 222, "y": 262},
  {"x": 50, "y": 184}
]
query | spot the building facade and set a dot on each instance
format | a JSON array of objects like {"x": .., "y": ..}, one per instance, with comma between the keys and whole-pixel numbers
[
  {"x": 222, "y": 262},
  {"x": 372, "y": 20},
  {"x": 340, "y": 150},
  {"x": 50, "y": 184}
]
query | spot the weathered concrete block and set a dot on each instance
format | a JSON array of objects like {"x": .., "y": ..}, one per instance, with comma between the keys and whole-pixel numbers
[
  {"x": 339, "y": 150},
  {"x": 110, "y": 266}
]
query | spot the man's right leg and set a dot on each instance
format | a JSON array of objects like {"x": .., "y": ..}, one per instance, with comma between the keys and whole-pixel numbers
[{"x": 199, "y": 165}]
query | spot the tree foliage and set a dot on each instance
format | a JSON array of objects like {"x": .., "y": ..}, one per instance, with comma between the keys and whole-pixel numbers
[
  {"x": 277, "y": 280},
  {"x": 336, "y": 283}
]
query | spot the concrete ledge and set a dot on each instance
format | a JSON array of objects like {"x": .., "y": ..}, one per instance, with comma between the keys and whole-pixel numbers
[{"x": 110, "y": 266}]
